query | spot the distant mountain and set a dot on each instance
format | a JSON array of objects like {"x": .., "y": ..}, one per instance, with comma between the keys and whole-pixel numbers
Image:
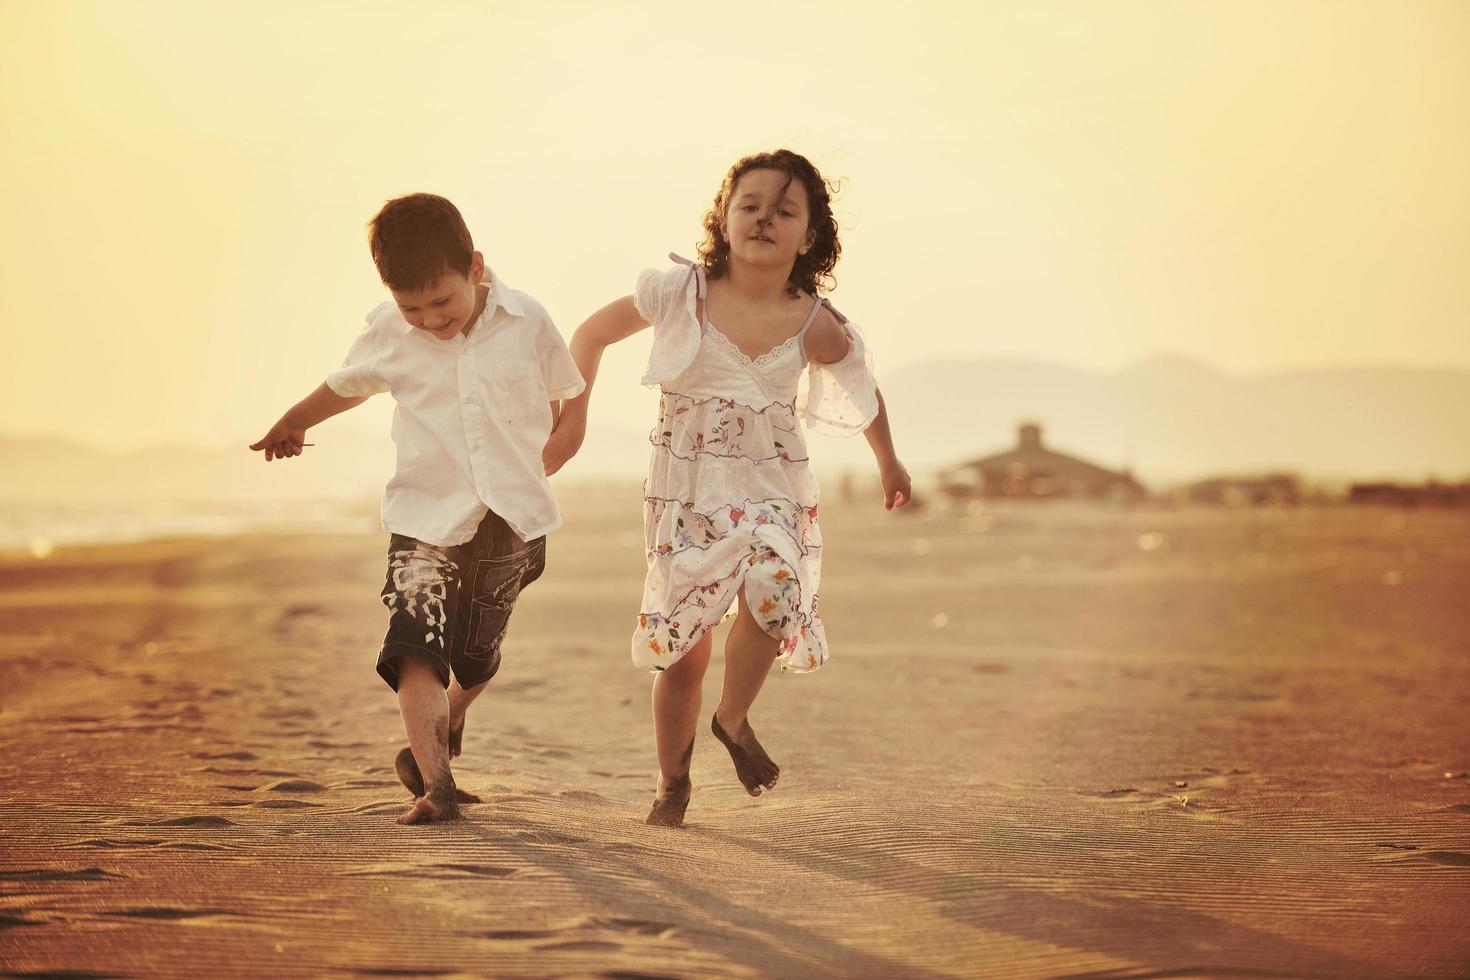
[
  {"x": 1171, "y": 418},
  {"x": 1167, "y": 417}
]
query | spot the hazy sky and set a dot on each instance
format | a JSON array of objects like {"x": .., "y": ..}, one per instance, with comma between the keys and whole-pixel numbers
[{"x": 1258, "y": 185}]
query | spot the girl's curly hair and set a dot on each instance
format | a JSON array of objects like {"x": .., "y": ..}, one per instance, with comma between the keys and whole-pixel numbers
[{"x": 811, "y": 272}]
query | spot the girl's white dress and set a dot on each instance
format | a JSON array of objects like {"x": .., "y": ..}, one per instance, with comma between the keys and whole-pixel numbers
[{"x": 730, "y": 499}]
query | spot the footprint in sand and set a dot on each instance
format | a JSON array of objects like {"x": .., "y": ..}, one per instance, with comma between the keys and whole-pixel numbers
[
  {"x": 294, "y": 786},
  {"x": 285, "y": 805},
  {"x": 202, "y": 820},
  {"x": 237, "y": 756},
  {"x": 517, "y": 934},
  {"x": 527, "y": 684},
  {"x": 168, "y": 914},
  {"x": 548, "y": 837},
  {"x": 580, "y": 946},
  {"x": 441, "y": 872},
  {"x": 478, "y": 870},
  {"x": 638, "y": 927},
  {"x": 44, "y": 874},
  {"x": 628, "y": 927},
  {"x": 583, "y": 795},
  {"x": 1183, "y": 794},
  {"x": 1453, "y": 859},
  {"x": 373, "y": 809}
]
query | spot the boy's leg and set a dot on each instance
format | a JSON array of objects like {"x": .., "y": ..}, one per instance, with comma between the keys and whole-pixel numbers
[
  {"x": 749, "y": 654},
  {"x": 460, "y": 699},
  {"x": 421, "y": 592},
  {"x": 499, "y": 566},
  {"x": 409, "y": 773},
  {"x": 425, "y": 710},
  {"x": 676, "y": 699},
  {"x": 407, "y": 767}
]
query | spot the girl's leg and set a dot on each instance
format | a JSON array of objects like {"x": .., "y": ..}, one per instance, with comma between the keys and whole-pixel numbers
[
  {"x": 676, "y": 697},
  {"x": 749, "y": 654}
]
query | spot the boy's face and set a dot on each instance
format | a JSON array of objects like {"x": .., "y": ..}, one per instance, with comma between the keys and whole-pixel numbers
[
  {"x": 767, "y": 220},
  {"x": 447, "y": 306}
]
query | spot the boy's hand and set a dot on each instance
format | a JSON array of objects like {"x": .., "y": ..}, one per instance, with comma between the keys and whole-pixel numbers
[
  {"x": 282, "y": 442},
  {"x": 561, "y": 446},
  {"x": 897, "y": 487}
]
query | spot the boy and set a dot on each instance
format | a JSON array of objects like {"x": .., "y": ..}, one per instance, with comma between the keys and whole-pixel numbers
[{"x": 477, "y": 370}]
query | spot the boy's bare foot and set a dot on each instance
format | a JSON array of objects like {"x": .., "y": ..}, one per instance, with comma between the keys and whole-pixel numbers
[
  {"x": 413, "y": 780},
  {"x": 670, "y": 802},
  {"x": 753, "y": 767},
  {"x": 436, "y": 807},
  {"x": 456, "y": 739}
]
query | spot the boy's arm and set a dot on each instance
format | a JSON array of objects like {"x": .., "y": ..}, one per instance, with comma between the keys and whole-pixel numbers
[
  {"x": 286, "y": 438},
  {"x": 897, "y": 487},
  {"x": 616, "y": 321}
]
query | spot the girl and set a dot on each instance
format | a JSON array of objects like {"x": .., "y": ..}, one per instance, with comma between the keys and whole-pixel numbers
[{"x": 742, "y": 347}]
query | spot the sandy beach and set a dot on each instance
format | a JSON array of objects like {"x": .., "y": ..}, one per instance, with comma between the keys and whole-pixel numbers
[{"x": 1052, "y": 741}]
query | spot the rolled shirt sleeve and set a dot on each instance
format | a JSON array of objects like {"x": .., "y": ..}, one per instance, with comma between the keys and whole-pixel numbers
[
  {"x": 358, "y": 377},
  {"x": 558, "y": 371}
]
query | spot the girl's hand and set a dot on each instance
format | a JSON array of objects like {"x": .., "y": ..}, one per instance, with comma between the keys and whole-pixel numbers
[
  {"x": 561, "y": 445},
  {"x": 282, "y": 442},
  {"x": 897, "y": 487}
]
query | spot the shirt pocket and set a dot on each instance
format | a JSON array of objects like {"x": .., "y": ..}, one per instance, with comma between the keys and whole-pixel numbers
[{"x": 517, "y": 391}]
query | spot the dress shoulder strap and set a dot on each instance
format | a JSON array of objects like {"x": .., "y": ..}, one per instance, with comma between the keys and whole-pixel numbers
[
  {"x": 696, "y": 269},
  {"x": 834, "y": 311},
  {"x": 811, "y": 317}
]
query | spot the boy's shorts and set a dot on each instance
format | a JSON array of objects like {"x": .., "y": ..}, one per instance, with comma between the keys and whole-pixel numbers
[{"x": 449, "y": 607}]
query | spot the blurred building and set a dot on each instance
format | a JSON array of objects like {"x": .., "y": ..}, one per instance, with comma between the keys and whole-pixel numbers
[
  {"x": 1032, "y": 471},
  {"x": 1431, "y": 494},
  {"x": 1245, "y": 491}
]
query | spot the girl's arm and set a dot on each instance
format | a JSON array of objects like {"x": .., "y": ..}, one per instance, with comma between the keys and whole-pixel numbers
[
  {"x": 897, "y": 487},
  {"x": 616, "y": 321},
  {"x": 828, "y": 342}
]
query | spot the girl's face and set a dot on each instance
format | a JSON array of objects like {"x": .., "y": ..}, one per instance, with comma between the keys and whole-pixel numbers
[{"x": 767, "y": 220}]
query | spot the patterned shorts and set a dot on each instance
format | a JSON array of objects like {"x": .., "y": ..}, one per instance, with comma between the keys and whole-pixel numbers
[{"x": 450, "y": 606}]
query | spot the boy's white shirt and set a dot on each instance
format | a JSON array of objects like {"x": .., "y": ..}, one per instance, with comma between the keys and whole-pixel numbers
[{"x": 473, "y": 416}]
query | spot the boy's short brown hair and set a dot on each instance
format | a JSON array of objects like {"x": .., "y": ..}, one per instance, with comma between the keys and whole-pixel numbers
[{"x": 418, "y": 238}]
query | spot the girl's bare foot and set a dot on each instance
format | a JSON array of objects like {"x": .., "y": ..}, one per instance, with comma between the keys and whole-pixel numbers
[
  {"x": 413, "y": 780},
  {"x": 753, "y": 767},
  {"x": 670, "y": 802},
  {"x": 435, "y": 807}
]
